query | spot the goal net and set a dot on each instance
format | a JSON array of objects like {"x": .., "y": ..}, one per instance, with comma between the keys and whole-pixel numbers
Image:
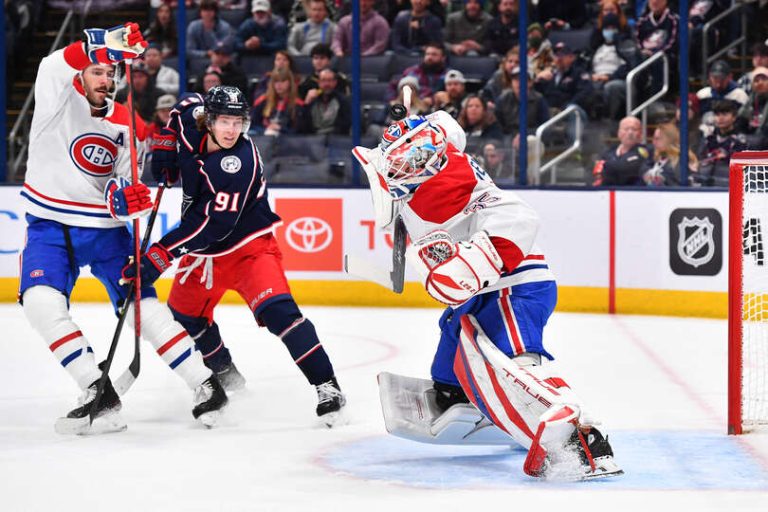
[{"x": 748, "y": 292}]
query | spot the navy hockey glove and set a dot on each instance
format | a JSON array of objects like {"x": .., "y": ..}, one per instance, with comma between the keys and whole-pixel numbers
[
  {"x": 126, "y": 201},
  {"x": 153, "y": 263},
  {"x": 114, "y": 44},
  {"x": 165, "y": 162}
]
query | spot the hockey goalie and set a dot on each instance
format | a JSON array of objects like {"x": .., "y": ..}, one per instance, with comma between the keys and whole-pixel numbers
[{"x": 473, "y": 246}]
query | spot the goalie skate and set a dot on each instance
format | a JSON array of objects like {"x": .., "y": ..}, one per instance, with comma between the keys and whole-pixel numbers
[
  {"x": 107, "y": 418},
  {"x": 585, "y": 457}
]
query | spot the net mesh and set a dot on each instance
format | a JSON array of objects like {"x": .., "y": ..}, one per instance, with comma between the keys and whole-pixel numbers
[{"x": 754, "y": 311}]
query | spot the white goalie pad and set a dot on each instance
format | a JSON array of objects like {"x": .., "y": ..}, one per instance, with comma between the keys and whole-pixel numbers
[
  {"x": 383, "y": 203},
  {"x": 410, "y": 412}
]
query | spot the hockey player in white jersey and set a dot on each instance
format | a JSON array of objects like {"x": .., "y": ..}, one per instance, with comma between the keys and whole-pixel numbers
[
  {"x": 473, "y": 245},
  {"x": 78, "y": 199}
]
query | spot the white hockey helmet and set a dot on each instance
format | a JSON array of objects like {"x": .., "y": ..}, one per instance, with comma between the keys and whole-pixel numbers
[{"x": 412, "y": 151}]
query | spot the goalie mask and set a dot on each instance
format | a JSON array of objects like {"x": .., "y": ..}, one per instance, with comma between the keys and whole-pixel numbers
[{"x": 412, "y": 152}]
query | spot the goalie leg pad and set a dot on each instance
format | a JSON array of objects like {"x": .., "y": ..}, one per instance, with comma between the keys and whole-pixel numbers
[
  {"x": 171, "y": 341},
  {"x": 48, "y": 313}
]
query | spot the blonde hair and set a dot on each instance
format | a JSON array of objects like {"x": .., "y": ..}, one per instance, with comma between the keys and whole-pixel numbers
[{"x": 672, "y": 134}]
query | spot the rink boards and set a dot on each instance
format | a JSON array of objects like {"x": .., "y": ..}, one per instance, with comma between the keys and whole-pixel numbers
[{"x": 628, "y": 251}]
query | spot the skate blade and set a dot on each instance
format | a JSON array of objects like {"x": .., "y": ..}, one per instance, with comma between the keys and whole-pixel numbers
[
  {"x": 210, "y": 419},
  {"x": 105, "y": 424},
  {"x": 334, "y": 419},
  {"x": 605, "y": 467}
]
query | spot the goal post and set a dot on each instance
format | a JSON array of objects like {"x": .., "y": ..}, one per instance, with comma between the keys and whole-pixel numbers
[{"x": 747, "y": 292}]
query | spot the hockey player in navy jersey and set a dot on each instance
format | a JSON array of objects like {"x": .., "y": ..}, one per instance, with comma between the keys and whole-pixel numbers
[
  {"x": 78, "y": 200},
  {"x": 475, "y": 251},
  {"x": 225, "y": 240}
]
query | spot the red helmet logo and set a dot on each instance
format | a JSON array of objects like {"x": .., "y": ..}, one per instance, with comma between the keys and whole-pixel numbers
[{"x": 94, "y": 154}]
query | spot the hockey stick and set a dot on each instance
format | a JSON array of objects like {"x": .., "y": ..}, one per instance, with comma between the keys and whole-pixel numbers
[
  {"x": 398, "y": 112},
  {"x": 136, "y": 254}
]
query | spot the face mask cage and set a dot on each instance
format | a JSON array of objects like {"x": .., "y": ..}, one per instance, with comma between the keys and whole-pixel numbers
[{"x": 413, "y": 159}]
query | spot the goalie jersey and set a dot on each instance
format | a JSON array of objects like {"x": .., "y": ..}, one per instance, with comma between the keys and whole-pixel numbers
[
  {"x": 462, "y": 199},
  {"x": 72, "y": 154},
  {"x": 224, "y": 203}
]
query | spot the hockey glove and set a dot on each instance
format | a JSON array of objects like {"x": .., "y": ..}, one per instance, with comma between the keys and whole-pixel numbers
[
  {"x": 112, "y": 45},
  {"x": 165, "y": 164},
  {"x": 126, "y": 201},
  {"x": 153, "y": 263},
  {"x": 453, "y": 271}
]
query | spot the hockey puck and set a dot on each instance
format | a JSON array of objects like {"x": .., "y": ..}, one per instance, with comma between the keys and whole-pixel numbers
[{"x": 397, "y": 112}]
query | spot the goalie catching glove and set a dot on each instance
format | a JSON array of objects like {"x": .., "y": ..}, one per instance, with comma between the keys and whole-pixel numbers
[
  {"x": 126, "y": 201},
  {"x": 453, "y": 271},
  {"x": 113, "y": 45}
]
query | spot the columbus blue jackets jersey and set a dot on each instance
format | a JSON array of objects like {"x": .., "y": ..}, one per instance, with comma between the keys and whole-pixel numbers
[{"x": 225, "y": 203}]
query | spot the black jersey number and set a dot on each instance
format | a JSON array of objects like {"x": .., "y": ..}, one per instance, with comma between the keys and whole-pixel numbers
[{"x": 226, "y": 202}]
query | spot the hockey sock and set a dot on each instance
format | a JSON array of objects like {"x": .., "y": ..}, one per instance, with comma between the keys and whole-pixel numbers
[
  {"x": 284, "y": 320},
  {"x": 171, "y": 342},
  {"x": 208, "y": 340},
  {"x": 47, "y": 312}
]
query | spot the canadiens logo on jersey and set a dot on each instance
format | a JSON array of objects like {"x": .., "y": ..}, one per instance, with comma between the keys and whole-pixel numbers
[{"x": 94, "y": 154}]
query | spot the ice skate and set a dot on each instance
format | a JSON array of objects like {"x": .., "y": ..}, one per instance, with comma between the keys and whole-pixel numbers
[
  {"x": 107, "y": 417},
  {"x": 596, "y": 458},
  {"x": 230, "y": 378},
  {"x": 447, "y": 395},
  {"x": 330, "y": 401},
  {"x": 210, "y": 399}
]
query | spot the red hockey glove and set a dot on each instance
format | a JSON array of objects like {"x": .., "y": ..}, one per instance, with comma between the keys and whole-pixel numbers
[
  {"x": 126, "y": 201},
  {"x": 153, "y": 263},
  {"x": 114, "y": 44}
]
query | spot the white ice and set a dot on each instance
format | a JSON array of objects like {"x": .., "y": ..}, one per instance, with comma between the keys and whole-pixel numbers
[{"x": 659, "y": 384}]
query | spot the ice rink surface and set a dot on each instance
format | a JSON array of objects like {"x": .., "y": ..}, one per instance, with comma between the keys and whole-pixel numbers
[{"x": 659, "y": 385}]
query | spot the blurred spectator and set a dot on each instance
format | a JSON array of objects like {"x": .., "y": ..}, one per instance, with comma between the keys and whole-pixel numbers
[
  {"x": 721, "y": 87},
  {"x": 755, "y": 111},
  {"x": 279, "y": 110},
  {"x": 162, "y": 31},
  {"x": 374, "y": 32},
  {"x": 665, "y": 166},
  {"x": 414, "y": 29},
  {"x": 165, "y": 78},
  {"x": 496, "y": 161},
  {"x": 465, "y": 30},
  {"x": 716, "y": 149},
  {"x": 263, "y": 33},
  {"x": 694, "y": 119},
  {"x": 759, "y": 60},
  {"x": 453, "y": 96},
  {"x": 502, "y": 34},
  {"x": 209, "y": 30},
  {"x": 477, "y": 120},
  {"x": 209, "y": 80},
  {"x": 625, "y": 163},
  {"x": 429, "y": 73},
  {"x": 502, "y": 77},
  {"x": 233, "y": 5},
  {"x": 418, "y": 104},
  {"x": 145, "y": 94},
  {"x": 567, "y": 84},
  {"x": 508, "y": 107},
  {"x": 321, "y": 59},
  {"x": 162, "y": 113},
  {"x": 561, "y": 15},
  {"x": 282, "y": 60},
  {"x": 328, "y": 110},
  {"x": 700, "y": 12},
  {"x": 608, "y": 7},
  {"x": 222, "y": 63},
  {"x": 540, "y": 56},
  {"x": 316, "y": 30},
  {"x": 611, "y": 62},
  {"x": 657, "y": 30}
]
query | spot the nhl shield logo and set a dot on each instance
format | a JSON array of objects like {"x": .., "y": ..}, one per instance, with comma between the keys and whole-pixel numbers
[
  {"x": 695, "y": 247},
  {"x": 695, "y": 244}
]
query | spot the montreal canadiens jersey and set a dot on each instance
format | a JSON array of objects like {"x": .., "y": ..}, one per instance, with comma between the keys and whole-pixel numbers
[
  {"x": 462, "y": 199},
  {"x": 72, "y": 154},
  {"x": 225, "y": 202}
]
